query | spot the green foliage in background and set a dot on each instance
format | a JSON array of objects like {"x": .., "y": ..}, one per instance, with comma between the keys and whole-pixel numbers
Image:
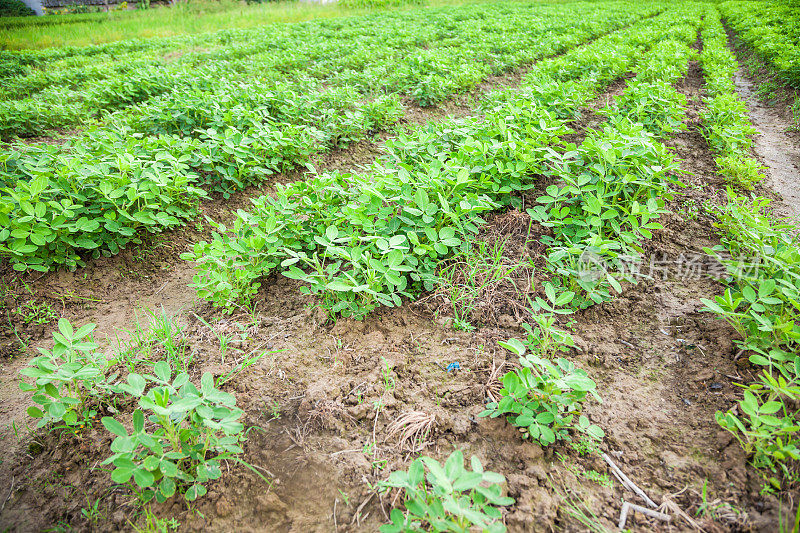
[{"x": 15, "y": 8}]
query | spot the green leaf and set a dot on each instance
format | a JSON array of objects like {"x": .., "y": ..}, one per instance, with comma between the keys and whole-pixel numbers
[
  {"x": 550, "y": 292},
  {"x": 194, "y": 492},
  {"x": 749, "y": 294},
  {"x": 338, "y": 286},
  {"x": 121, "y": 475},
  {"x": 595, "y": 431},
  {"x": 712, "y": 306},
  {"x": 143, "y": 478},
  {"x": 114, "y": 426},
  {"x": 138, "y": 421},
  {"x": 468, "y": 481},
  {"x": 476, "y": 464},
  {"x": 524, "y": 420},
  {"x": 437, "y": 475},
  {"x": 770, "y": 407},
  {"x": 84, "y": 330},
  {"x": 136, "y": 384},
  {"x": 162, "y": 370},
  {"x": 167, "y": 486},
  {"x": 65, "y": 327},
  {"x": 331, "y": 232},
  {"x": 454, "y": 464},
  {"x": 168, "y": 468},
  {"x": 56, "y": 410},
  {"x": 580, "y": 383},
  {"x": 514, "y": 345}
]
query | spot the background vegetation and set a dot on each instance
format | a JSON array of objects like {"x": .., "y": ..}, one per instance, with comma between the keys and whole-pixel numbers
[
  {"x": 197, "y": 16},
  {"x": 14, "y": 8}
]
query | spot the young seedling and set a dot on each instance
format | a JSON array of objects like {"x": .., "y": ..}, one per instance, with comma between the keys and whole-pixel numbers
[
  {"x": 544, "y": 399},
  {"x": 180, "y": 436},
  {"x": 446, "y": 498},
  {"x": 67, "y": 378}
]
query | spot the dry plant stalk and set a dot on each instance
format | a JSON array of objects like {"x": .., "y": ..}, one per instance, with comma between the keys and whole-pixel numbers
[
  {"x": 669, "y": 506},
  {"x": 493, "y": 384},
  {"x": 324, "y": 413},
  {"x": 412, "y": 429}
]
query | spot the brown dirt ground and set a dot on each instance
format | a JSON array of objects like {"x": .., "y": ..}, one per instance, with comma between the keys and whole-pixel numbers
[
  {"x": 777, "y": 143},
  {"x": 663, "y": 368}
]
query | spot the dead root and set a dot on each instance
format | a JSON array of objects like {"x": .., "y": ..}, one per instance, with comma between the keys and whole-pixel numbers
[{"x": 412, "y": 430}]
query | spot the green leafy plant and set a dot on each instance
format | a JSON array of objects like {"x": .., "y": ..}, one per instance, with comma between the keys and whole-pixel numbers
[
  {"x": 726, "y": 125},
  {"x": 190, "y": 433},
  {"x": 544, "y": 399},
  {"x": 760, "y": 303},
  {"x": 600, "y": 479},
  {"x": 586, "y": 445},
  {"x": 795, "y": 113},
  {"x": 15, "y": 8},
  {"x": 613, "y": 189},
  {"x": 92, "y": 512},
  {"x": 32, "y": 312},
  {"x": 67, "y": 378},
  {"x": 446, "y": 498},
  {"x": 657, "y": 105},
  {"x": 768, "y": 428},
  {"x": 740, "y": 171},
  {"x": 770, "y": 29}
]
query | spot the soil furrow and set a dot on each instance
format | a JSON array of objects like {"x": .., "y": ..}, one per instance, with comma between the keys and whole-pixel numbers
[{"x": 775, "y": 148}]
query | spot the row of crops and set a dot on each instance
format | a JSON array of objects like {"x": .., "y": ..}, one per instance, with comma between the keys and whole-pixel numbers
[
  {"x": 772, "y": 30},
  {"x": 144, "y": 168},
  {"x": 424, "y": 55},
  {"x": 358, "y": 241},
  {"x": 762, "y": 259}
]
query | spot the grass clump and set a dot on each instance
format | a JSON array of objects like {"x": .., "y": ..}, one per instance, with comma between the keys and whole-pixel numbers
[{"x": 740, "y": 171}]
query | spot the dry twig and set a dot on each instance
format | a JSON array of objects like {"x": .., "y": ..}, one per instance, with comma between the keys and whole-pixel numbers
[
  {"x": 626, "y": 506},
  {"x": 669, "y": 506},
  {"x": 335, "y": 525},
  {"x": 625, "y": 480},
  {"x": 357, "y": 514},
  {"x": 493, "y": 384}
]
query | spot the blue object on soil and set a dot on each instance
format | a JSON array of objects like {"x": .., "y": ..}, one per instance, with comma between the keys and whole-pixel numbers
[{"x": 453, "y": 366}]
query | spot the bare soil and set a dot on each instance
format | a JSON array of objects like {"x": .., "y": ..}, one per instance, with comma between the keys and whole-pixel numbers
[{"x": 776, "y": 148}]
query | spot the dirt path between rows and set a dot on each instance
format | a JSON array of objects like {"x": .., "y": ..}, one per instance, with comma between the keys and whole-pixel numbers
[{"x": 776, "y": 148}]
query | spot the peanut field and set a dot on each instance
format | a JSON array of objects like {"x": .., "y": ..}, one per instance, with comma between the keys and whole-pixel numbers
[{"x": 504, "y": 266}]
